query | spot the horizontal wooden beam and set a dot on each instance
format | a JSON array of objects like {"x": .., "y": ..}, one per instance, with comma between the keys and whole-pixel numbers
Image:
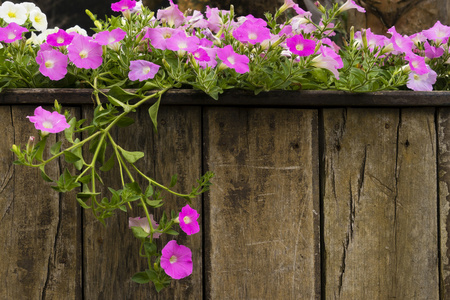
[{"x": 326, "y": 98}]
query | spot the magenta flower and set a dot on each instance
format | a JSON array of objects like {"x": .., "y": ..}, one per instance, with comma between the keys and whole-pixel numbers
[
  {"x": 12, "y": 32},
  {"x": 142, "y": 70},
  {"x": 123, "y": 5},
  {"x": 424, "y": 82},
  {"x": 301, "y": 46},
  {"x": 171, "y": 15},
  {"x": 236, "y": 61},
  {"x": 176, "y": 260},
  {"x": 212, "y": 62},
  {"x": 188, "y": 220},
  {"x": 110, "y": 37},
  {"x": 60, "y": 38},
  {"x": 85, "y": 53},
  {"x": 143, "y": 223},
  {"x": 179, "y": 41},
  {"x": 52, "y": 63},
  {"x": 249, "y": 32},
  {"x": 46, "y": 121}
]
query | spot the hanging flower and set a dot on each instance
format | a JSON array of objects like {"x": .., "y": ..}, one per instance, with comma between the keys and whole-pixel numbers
[
  {"x": 250, "y": 32},
  {"x": 143, "y": 223},
  {"x": 52, "y": 122},
  {"x": 142, "y": 70},
  {"x": 176, "y": 260},
  {"x": 171, "y": 15},
  {"x": 350, "y": 4},
  {"x": 188, "y": 220}
]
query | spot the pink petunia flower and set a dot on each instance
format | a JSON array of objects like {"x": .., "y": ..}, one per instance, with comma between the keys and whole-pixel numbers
[
  {"x": 143, "y": 223},
  {"x": 11, "y": 33},
  {"x": 422, "y": 82},
  {"x": 402, "y": 44},
  {"x": 110, "y": 37},
  {"x": 212, "y": 62},
  {"x": 328, "y": 59},
  {"x": 123, "y": 5},
  {"x": 171, "y": 15},
  {"x": 417, "y": 63},
  {"x": 301, "y": 46},
  {"x": 214, "y": 19},
  {"x": 180, "y": 42},
  {"x": 46, "y": 121},
  {"x": 52, "y": 63},
  {"x": 85, "y": 53},
  {"x": 142, "y": 70},
  {"x": 59, "y": 38},
  {"x": 176, "y": 260},
  {"x": 438, "y": 33},
  {"x": 250, "y": 32},
  {"x": 433, "y": 52},
  {"x": 350, "y": 4},
  {"x": 236, "y": 61},
  {"x": 188, "y": 220},
  {"x": 158, "y": 36}
]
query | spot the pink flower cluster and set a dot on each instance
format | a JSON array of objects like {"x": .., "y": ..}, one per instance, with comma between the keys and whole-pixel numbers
[{"x": 176, "y": 260}]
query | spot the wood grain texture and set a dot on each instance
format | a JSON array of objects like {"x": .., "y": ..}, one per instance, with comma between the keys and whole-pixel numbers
[
  {"x": 444, "y": 197},
  {"x": 41, "y": 253},
  {"x": 262, "y": 228},
  {"x": 111, "y": 252},
  {"x": 380, "y": 214}
]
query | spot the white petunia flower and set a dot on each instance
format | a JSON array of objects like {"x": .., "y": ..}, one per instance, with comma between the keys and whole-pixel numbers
[
  {"x": 11, "y": 12},
  {"x": 38, "y": 20},
  {"x": 29, "y": 7},
  {"x": 78, "y": 30}
]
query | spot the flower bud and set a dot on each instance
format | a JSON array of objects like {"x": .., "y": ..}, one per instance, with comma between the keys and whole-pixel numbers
[
  {"x": 176, "y": 220},
  {"x": 320, "y": 7},
  {"x": 30, "y": 145}
]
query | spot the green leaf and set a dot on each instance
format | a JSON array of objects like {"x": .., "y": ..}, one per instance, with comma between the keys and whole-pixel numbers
[
  {"x": 173, "y": 181},
  {"x": 117, "y": 102},
  {"x": 120, "y": 94},
  {"x": 71, "y": 157},
  {"x": 109, "y": 164},
  {"x": 131, "y": 156},
  {"x": 83, "y": 204},
  {"x": 40, "y": 148},
  {"x": 154, "y": 203},
  {"x": 68, "y": 133},
  {"x": 125, "y": 121},
  {"x": 150, "y": 248},
  {"x": 153, "y": 112},
  {"x": 171, "y": 232},
  {"x": 134, "y": 187},
  {"x": 55, "y": 148},
  {"x": 139, "y": 232},
  {"x": 141, "y": 277},
  {"x": 44, "y": 175}
]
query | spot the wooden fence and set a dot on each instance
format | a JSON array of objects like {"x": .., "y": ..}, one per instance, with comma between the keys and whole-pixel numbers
[{"x": 317, "y": 195}]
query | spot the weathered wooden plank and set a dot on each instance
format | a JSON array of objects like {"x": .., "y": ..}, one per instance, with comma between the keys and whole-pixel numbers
[
  {"x": 380, "y": 214},
  {"x": 40, "y": 230},
  {"x": 444, "y": 197},
  {"x": 185, "y": 97},
  {"x": 262, "y": 222},
  {"x": 111, "y": 252}
]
